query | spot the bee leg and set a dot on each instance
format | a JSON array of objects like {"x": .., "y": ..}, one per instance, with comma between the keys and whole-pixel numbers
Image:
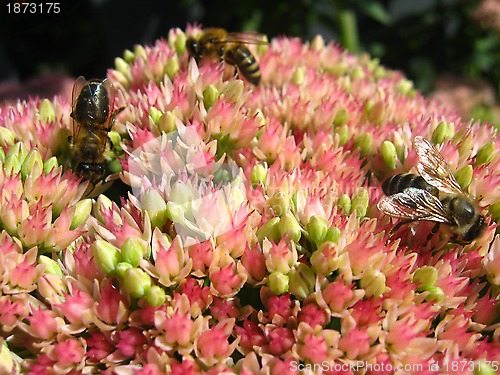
[
  {"x": 431, "y": 234},
  {"x": 399, "y": 225}
]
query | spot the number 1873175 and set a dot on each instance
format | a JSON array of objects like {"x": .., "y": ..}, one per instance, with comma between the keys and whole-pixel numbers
[{"x": 33, "y": 8}]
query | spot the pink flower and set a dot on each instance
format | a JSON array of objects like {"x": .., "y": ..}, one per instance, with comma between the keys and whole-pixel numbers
[
  {"x": 355, "y": 343},
  {"x": 313, "y": 315},
  {"x": 99, "y": 346},
  {"x": 131, "y": 342},
  {"x": 222, "y": 309},
  {"x": 226, "y": 281},
  {"x": 279, "y": 306},
  {"x": 172, "y": 263},
  {"x": 44, "y": 324},
  {"x": 11, "y": 310},
  {"x": 77, "y": 307},
  {"x": 69, "y": 353},
  {"x": 179, "y": 329},
  {"x": 196, "y": 293},
  {"x": 201, "y": 254},
  {"x": 280, "y": 340},
  {"x": 251, "y": 335},
  {"x": 111, "y": 309},
  {"x": 213, "y": 346},
  {"x": 254, "y": 262},
  {"x": 26, "y": 272}
]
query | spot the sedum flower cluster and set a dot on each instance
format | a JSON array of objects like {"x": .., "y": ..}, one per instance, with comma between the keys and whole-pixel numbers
[{"x": 239, "y": 232}]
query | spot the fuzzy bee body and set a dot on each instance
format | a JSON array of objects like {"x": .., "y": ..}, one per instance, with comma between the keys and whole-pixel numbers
[
  {"x": 217, "y": 43},
  {"x": 93, "y": 118},
  {"x": 434, "y": 195}
]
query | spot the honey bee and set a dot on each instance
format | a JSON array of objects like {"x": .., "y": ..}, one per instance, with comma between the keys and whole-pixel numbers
[
  {"x": 93, "y": 118},
  {"x": 217, "y": 43},
  {"x": 414, "y": 198}
]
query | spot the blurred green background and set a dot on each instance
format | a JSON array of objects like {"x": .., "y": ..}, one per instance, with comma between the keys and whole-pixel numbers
[{"x": 446, "y": 42}]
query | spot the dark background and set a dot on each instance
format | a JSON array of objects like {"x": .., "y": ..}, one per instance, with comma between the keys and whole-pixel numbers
[{"x": 424, "y": 38}]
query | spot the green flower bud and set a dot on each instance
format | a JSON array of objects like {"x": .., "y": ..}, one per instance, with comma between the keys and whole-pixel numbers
[
  {"x": 133, "y": 250},
  {"x": 317, "y": 227},
  {"x": 379, "y": 72},
  {"x": 172, "y": 67},
  {"x": 405, "y": 87},
  {"x": 9, "y": 361},
  {"x": 443, "y": 131},
  {"x": 167, "y": 122},
  {"x": 180, "y": 43},
  {"x": 50, "y": 164},
  {"x": 82, "y": 213},
  {"x": 343, "y": 134},
  {"x": 140, "y": 52},
  {"x": 341, "y": 117},
  {"x": 485, "y": 154},
  {"x": 51, "y": 265},
  {"x": 7, "y": 137},
  {"x": 299, "y": 75},
  {"x": 464, "y": 176},
  {"x": 269, "y": 230},
  {"x": 233, "y": 90},
  {"x": 175, "y": 212},
  {"x": 289, "y": 227},
  {"x": 494, "y": 210},
  {"x": 15, "y": 158},
  {"x": 347, "y": 84},
  {"x": 155, "y": 206},
  {"x": 360, "y": 203},
  {"x": 301, "y": 281},
  {"x": 278, "y": 283},
  {"x": 122, "y": 66},
  {"x": 258, "y": 175},
  {"x": 155, "y": 114},
  {"x": 325, "y": 259},
  {"x": 137, "y": 282},
  {"x": 483, "y": 368},
  {"x": 376, "y": 112},
  {"x": 400, "y": 147},
  {"x": 128, "y": 56},
  {"x": 425, "y": 277},
  {"x": 333, "y": 235},
  {"x": 102, "y": 204},
  {"x": 279, "y": 203},
  {"x": 389, "y": 155},
  {"x": 121, "y": 268},
  {"x": 46, "y": 111},
  {"x": 106, "y": 255},
  {"x": 28, "y": 167},
  {"x": 357, "y": 73},
  {"x": 2, "y": 156},
  {"x": 115, "y": 139},
  {"x": 364, "y": 143},
  {"x": 318, "y": 43},
  {"x": 435, "y": 294},
  {"x": 373, "y": 282},
  {"x": 210, "y": 96},
  {"x": 114, "y": 166},
  {"x": 156, "y": 296},
  {"x": 344, "y": 203}
]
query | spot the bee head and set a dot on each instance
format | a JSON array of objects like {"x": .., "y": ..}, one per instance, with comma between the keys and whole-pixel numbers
[{"x": 193, "y": 48}]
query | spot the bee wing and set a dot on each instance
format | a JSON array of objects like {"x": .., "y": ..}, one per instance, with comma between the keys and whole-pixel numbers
[
  {"x": 108, "y": 86},
  {"x": 77, "y": 88},
  {"x": 414, "y": 204},
  {"x": 246, "y": 37},
  {"x": 434, "y": 168}
]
